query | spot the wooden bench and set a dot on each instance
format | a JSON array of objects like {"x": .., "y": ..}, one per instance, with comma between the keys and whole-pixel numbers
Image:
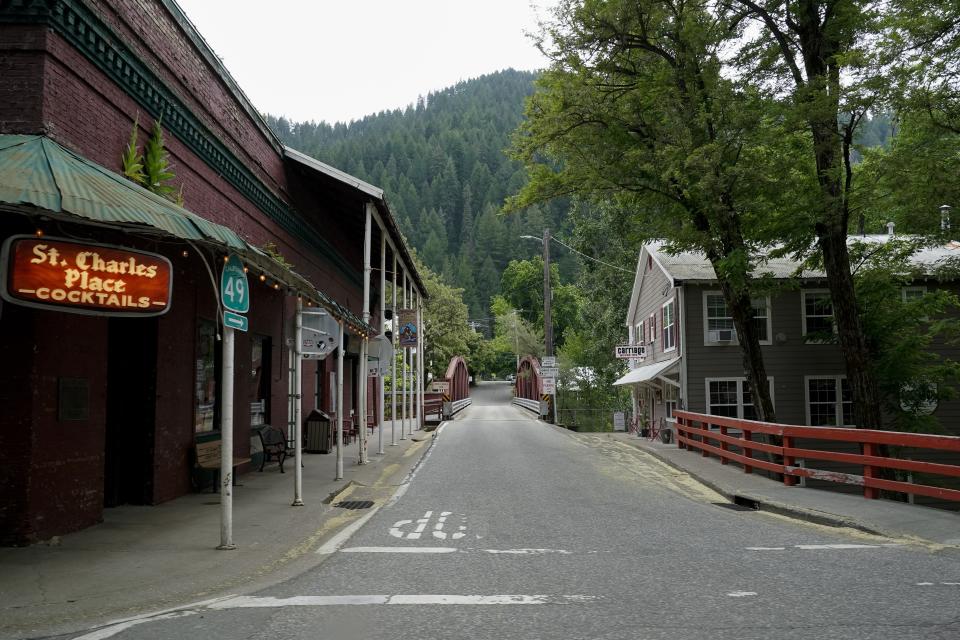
[
  {"x": 207, "y": 455},
  {"x": 275, "y": 445}
]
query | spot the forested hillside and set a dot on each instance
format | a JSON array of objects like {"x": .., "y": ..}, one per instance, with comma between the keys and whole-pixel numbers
[{"x": 443, "y": 167}]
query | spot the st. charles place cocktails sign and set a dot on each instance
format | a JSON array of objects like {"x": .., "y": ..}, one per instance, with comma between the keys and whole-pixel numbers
[{"x": 80, "y": 277}]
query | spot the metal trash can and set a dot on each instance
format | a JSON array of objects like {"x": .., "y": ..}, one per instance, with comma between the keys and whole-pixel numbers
[{"x": 316, "y": 432}]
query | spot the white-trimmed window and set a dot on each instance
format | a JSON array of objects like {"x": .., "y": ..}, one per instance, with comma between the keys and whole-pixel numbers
[
  {"x": 731, "y": 397},
  {"x": 671, "y": 396},
  {"x": 669, "y": 326},
  {"x": 829, "y": 402},
  {"x": 910, "y": 294},
  {"x": 652, "y": 327},
  {"x": 640, "y": 334},
  {"x": 717, "y": 319},
  {"x": 817, "y": 313}
]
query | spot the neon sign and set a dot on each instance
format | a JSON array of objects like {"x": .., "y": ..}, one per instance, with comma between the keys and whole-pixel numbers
[{"x": 77, "y": 277}]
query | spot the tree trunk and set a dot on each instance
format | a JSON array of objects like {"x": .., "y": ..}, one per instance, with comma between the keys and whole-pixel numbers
[
  {"x": 741, "y": 308},
  {"x": 853, "y": 343}
]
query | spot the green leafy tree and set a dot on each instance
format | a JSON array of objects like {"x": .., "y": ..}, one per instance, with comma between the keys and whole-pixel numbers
[
  {"x": 902, "y": 331},
  {"x": 635, "y": 108}
]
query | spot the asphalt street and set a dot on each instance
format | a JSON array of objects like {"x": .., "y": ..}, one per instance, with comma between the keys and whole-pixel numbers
[{"x": 511, "y": 528}]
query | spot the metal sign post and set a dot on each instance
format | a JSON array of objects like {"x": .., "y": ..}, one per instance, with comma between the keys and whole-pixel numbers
[
  {"x": 298, "y": 407},
  {"x": 235, "y": 298}
]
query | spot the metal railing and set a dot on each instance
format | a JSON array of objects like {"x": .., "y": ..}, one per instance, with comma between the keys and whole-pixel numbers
[
  {"x": 700, "y": 431},
  {"x": 532, "y": 405}
]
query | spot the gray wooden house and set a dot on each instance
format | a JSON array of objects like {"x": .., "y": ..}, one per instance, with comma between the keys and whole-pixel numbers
[{"x": 692, "y": 358}]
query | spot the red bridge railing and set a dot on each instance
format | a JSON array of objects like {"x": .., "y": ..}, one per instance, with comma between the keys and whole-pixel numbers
[{"x": 712, "y": 436}]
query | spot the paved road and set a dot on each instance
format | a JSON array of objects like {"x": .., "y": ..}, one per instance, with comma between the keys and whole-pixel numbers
[{"x": 514, "y": 529}]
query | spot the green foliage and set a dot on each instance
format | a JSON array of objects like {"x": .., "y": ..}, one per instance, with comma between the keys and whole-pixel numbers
[
  {"x": 521, "y": 284},
  {"x": 271, "y": 249},
  {"x": 151, "y": 169},
  {"x": 903, "y": 332},
  {"x": 132, "y": 159},
  {"x": 446, "y": 332},
  {"x": 512, "y": 333},
  {"x": 156, "y": 164}
]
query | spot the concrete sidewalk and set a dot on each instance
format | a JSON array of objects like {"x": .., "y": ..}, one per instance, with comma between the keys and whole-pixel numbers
[
  {"x": 883, "y": 517},
  {"x": 144, "y": 559}
]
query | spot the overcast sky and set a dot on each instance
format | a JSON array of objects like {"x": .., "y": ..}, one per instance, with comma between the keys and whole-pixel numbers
[{"x": 339, "y": 60}]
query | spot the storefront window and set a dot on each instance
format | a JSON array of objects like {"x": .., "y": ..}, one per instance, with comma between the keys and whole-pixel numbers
[{"x": 205, "y": 418}]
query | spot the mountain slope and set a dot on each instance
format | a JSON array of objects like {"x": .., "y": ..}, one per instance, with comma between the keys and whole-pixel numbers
[{"x": 443, "y": 167}]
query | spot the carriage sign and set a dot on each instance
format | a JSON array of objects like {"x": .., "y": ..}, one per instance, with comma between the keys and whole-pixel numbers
[{"x": 631, "y": 351}]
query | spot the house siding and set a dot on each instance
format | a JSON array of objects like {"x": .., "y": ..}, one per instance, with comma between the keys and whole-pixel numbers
[{"x": 788, "y": 359}]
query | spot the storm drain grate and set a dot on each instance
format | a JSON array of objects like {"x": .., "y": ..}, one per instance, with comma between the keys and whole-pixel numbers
[
  {"x": 355, "y": 504},
  {"x": 735, "y": 507}
]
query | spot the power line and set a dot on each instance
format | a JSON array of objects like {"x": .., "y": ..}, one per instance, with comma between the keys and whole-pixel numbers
[
  {"x": 554, "y": 238},
  {"x": 612, "y": 266}
]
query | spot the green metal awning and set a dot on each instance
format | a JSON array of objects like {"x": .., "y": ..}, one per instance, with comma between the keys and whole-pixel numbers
[{"x": 37, "y": 172}]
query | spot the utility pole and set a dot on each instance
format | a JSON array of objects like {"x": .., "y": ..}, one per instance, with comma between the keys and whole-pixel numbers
[{"x": 547, "y": 320}]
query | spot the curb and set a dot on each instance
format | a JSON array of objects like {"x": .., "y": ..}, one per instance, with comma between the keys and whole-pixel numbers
[{"x": 766, "y": 504}]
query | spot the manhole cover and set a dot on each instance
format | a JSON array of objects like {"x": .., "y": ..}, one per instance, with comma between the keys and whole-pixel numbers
[
  {"x": 355, "y": 504},
  {"x": 734, "y": 507}
]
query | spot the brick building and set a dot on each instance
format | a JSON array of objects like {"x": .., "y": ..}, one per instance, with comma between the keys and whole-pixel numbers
[{"x": 101, "y": 409}]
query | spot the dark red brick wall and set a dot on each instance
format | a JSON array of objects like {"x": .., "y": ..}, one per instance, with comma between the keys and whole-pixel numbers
[
  {"x": 66, "y": 476},
  {"x": 21, "y": 78},
  {"x": 16, "y": 393}
]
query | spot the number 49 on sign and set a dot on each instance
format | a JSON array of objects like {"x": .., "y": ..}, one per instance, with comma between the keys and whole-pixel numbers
[{"x": 234, "y": 293}]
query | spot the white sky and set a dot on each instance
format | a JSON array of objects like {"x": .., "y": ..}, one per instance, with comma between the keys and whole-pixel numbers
[{"x": 339, "y": 60}]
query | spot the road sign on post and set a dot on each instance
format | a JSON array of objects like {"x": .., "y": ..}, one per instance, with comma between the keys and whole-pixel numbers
[
  {"x": 234, "y": 292},
  {"x": 549, "y": 361},
  {"x": 550, "y": 385}
]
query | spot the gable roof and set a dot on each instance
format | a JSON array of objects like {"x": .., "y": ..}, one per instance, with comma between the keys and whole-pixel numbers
[{"x": 693, "y": 266}]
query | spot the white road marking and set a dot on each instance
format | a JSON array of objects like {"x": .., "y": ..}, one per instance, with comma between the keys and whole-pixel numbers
[
  {"x": 951, "y": 584},
  {"x": 925, "y": 584},
  {"x": 821, "y": 547},
  {"x": 114, "y": 627},
  {"x": 815, "y": 547},
  {"x": 250, "y": 602},
  {"x": 338, "y": 540},
  {"x": 399, "y": 550},
  {"x": 397, "y": 530},
  {"x": 529, "y": 551},
  {"x": 741, "y": 594},
  {"x": 108, "y": 632}
]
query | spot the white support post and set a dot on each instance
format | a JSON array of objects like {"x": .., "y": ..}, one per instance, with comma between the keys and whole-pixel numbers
[
  {"x": 393, "y": 361},
  {"x": 361, "y": 420},
  {"x": 298, "y": 406},
  {"x": 226, "y": 442},
  {"x": 405, "y": 354},
  {"x": 383, "y": 324},
  {"x": 340, "y": 407},
  {"x": 421, "y": 361},
  {"x": 407, "y": 366},
  {"x": 364, "y": 378}
]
